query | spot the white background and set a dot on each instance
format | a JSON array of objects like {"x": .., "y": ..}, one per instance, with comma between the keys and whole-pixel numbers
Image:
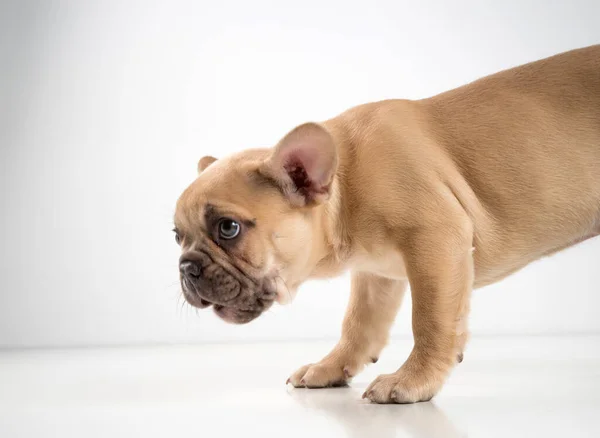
[{"x": 105, "y": 108}]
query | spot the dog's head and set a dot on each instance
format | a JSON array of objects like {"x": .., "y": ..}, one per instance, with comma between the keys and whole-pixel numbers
[{"x": 247, "y": 225}]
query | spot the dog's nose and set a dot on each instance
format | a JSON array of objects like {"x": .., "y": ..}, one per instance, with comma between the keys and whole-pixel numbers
[{"x": 189, "y": 269}]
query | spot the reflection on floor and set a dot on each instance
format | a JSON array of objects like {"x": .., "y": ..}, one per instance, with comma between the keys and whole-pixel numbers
[{"x": 506, "y": 387}]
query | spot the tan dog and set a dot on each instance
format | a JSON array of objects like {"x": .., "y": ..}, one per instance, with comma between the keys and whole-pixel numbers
[{"x": 448, "y": 193}]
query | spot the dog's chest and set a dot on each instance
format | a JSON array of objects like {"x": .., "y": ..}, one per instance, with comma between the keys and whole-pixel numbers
[{"x": 382, "y": 260}]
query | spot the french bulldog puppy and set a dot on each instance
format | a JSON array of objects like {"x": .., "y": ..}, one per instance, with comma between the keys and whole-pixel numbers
[{"x": 447, "y": 194}]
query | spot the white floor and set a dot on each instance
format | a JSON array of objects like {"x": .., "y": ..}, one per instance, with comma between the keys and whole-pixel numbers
[{"x": 509, "y": 387}]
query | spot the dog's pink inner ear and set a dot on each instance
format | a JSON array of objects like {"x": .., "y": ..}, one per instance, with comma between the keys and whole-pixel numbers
[
  {"x": 304, "y": 164},
  {"x": 205, "y": 162}
]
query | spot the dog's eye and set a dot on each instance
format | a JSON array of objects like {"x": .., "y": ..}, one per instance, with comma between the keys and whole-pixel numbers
[
  {"x": 177, "y": 237},
  {"x": 228, "y": 229}
]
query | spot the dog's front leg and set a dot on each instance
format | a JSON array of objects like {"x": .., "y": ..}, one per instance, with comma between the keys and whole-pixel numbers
[
  {"x": 374, "y": 303},
  {"x": 440, "y": 270}
]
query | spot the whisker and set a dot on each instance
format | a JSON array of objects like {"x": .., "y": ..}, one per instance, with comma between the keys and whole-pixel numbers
[
  {"x": 181, "y": 304},
  {"x": 170, "y": 286},
  {"x": 286, "y": 288}
]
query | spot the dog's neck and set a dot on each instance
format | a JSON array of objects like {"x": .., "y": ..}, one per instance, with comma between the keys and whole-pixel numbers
[
  {"x": 328, "y": 245},
  {"x": 332, "y": 245}
]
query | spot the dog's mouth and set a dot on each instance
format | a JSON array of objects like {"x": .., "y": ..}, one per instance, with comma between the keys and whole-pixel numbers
[
  {"x": 234, "y": 296},
  {"x": 237, "y": 316},
  {"x": 191, "y": 295},
  {"x": 228, "y": 313}
]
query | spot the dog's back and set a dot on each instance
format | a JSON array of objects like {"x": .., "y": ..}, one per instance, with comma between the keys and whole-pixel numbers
[{"x": 527, "y": 141}]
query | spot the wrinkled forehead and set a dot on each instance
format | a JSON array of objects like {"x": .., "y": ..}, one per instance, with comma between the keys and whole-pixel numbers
[
  {"x": 228, "y": 187},
  {"x": 224, "y": 196}
]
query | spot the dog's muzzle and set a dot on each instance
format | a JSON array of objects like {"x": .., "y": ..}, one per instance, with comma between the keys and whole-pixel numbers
[{"x": 235, "y": 296}]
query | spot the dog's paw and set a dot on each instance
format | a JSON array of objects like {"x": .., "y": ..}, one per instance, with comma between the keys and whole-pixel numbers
[
  {"x": 323, "y": 375},
  {"x": 403, "y": 387}
]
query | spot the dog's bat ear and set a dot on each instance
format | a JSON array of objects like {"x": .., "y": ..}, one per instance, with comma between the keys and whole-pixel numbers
[
  {"x": 303, "y": 164},
  {"x": 205, "y": 162}
]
